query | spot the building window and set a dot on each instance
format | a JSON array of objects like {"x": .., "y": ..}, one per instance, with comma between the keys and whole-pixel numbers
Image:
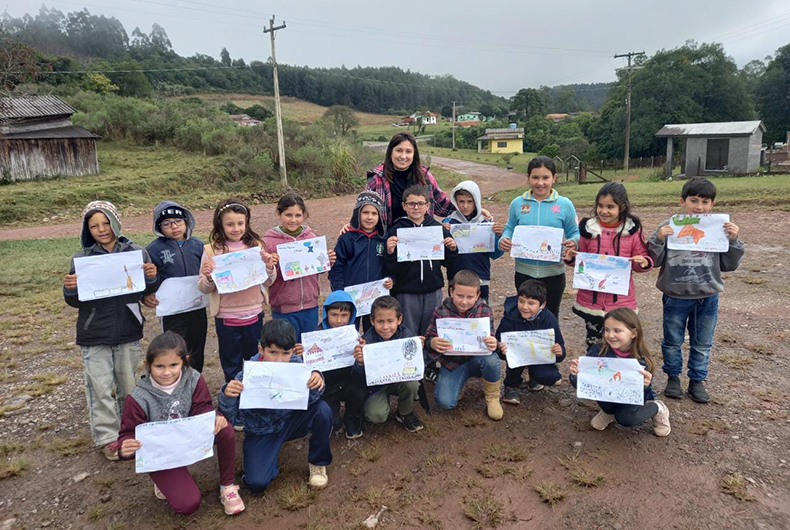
[
  {"x": 501, "y": 144},
  {"x": 716, "y": 157}
]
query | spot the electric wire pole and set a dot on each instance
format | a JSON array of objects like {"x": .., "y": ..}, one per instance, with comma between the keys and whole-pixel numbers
[
  {"x": 627, "y": 155},
  {"x": 453, "y": 125},
  {"x": 278, "y": 112}
]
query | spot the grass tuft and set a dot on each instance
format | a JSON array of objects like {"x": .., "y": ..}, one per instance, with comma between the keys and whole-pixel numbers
[
  {"x": 13, "y": 468},
  {"x": 485, "y": 511},
  {"x": 586, "y": 478},
  {"x": 369, "y": 452},
  {"x": 735, "y": 484},
  {"x": 550, "y": 493},
  {"x": 69, "y": 446},
  {"x": 295, "y": 497}
]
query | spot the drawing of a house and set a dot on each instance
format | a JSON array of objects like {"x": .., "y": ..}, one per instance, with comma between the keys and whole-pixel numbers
[{"x": 315, "y": 349}]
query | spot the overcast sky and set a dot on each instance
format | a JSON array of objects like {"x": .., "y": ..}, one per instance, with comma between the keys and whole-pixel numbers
[{"x": 499, "y": 45}]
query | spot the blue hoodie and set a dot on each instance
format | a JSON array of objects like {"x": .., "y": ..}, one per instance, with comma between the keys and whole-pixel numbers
[
  {"x": 338, "y": 296},
  {"x": 479, "y": 263},
  {"x": 171, "y": 259}
]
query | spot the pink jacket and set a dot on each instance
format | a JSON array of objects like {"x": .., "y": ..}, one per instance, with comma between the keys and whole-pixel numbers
[
  {"x": 292, "y": 295},
  {"x": 625, "y": 241}
]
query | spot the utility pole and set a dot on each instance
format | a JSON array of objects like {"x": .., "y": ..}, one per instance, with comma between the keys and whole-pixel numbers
[
  {"x": 627, "y": 155},
  {"x": 278, "y": 111},
  {"x": 453, "y": 125}
]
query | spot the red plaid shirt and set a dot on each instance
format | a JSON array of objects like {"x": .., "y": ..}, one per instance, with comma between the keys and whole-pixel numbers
[
  {"x": 447, "y": 309},
  {"x": 439, "y": 205}
]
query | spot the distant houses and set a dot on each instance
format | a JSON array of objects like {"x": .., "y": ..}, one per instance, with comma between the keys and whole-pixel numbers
[
  {"x": 39, "y": 140},
  {"x": 507, "y": 140},
  {"x": 427, "y": 118},
  {"x": 244, "y": 120}
]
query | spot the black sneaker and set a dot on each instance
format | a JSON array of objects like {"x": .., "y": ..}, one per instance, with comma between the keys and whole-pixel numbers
[
  {"x": 353, "y": 427},
  {"x": 534, "y": 386},
  {"x": 697, "y": 391},
  {"x": 511, "y": 396},
  {"x": 673, "y": 389},
  {"x": 431, "y": 373},
  {"x": 410, "y": 421}
]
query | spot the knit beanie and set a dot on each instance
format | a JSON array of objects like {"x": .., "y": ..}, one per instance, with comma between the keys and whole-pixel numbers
[
  {"x": 173, "y": 212},
  {"x": 366, "y": 198},
  {"x": 108, "y": 209}
]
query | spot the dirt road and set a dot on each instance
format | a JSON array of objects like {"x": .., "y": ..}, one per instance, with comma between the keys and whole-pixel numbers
[{"x": 462, "y": 466}]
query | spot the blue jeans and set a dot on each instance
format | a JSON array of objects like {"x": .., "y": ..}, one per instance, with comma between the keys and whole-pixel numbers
[
  {"x": 237, "y": 344},
  {"x": 262, "y": 451},
  {"x": 701, "y": 315},
  {"x": 303, "y": 321},
  {"x": 450, "y": 382}
]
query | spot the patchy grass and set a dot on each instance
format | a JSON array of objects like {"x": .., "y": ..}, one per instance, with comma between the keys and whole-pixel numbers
[
  {"x": 506, "y": 452},
  {"x": 769, "y": 394},
  {"x": 375, "y": 496},
  {"x": 753, "y": 280},
  {"x": 5, "y": 409},
  {"x": 69, "y": 446},
  {"x": 9, "y": 448},
  {"x": 585, "y": 477},
  {"x": 44, "y": 384},
  {"x": 519, "y": 162},
  {"x": 438, "y": 460},
  {"x": 704, "y": 426},
  {"x": 369, "y": 452},
  {"x": 485, "y": 511},
  {"x": 13, "y": 468},
  {"x": 473, "y": 420},
  {"x": 735, "y": 484},
  {"x": 739, "y": 362},
  {"x": 295, "y": 497},
  {"x": 550, "y": 493}
]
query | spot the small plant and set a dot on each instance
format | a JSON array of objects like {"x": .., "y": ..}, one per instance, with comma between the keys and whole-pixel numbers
[
  {"x": 68, "y": 446},
  {"x": 438, "y": 460},
  {"x": 13, "y": 468},
  {"x": 9, "y": 448},
  {"x": 472, "y": 420},
  {"x": 506, "y": 452},
  {"x": 369, "y": 452},
  {"x": 44, "y": 384},
  {"x": 738, "y": 362},
  {"x": 586, "y": 478},
  {"x": 295, "y": 497},
  {"x": 735, "y": 484},
  {"x": 485, "y": 511},
  {"x": 550, "y": 493},
  {"x": 519, "y": 473}
]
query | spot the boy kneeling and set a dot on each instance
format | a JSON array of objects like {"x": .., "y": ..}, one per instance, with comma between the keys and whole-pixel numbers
[{"x": 266, "y": 430}]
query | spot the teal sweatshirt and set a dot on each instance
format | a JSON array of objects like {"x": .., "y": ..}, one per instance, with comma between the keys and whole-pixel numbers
[{"x": 555, "y": 211}]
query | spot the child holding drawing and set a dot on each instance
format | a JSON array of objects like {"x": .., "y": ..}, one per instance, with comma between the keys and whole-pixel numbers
[
  {"x": 387, "y": 319},
  {"x": 468, "y": 210},
  {"x": 266, "y": 430},
  {"x": 614, "y": 231},
  {"x": 169, "y": 390},
  {"x": 177, "y": 253},
  {"x": 623, "y": 338},
  {"x": 526, "y": 312},
  {"x": 238, "y": 316},
  {"x": 360, "y": 250},
  {"x": 294, "y": 300},
  {"x": 691, "y": 282},
  {"x": 108, "y": 329},
  {"x": 465, "y": 302}
]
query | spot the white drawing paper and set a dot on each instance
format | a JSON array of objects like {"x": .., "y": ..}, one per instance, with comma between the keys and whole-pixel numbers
[
  {"x": 329, "y": 349},
  {"x": 109, "y": 275},
  {"x": 526, "y": 348},
  {"x": 602, "y": 273},
  {"x": 704, "y": 233},
  {"x": 364, "y": 294},
  {"x": 393, "y": 361},
  {"x": 473, "y": 238},
  {"x": 174, "y": 443},
  {"x": 236, "y": 271},
  {"x": 466, "y": 335},
  {"x": 303, "y": 258},
  {"x": 420, "y": 243},
  {"x": 611, "y": 379},
  {"x": 541, "y": 243},
  {"x": 179, "y": 295},
  {"x": 271, "y": 385}
]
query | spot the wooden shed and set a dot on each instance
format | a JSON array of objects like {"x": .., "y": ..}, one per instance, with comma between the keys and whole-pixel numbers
[{"x": 38, "y": 140}]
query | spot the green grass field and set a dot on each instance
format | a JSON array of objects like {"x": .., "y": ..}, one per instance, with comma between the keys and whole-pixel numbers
[
  {"x": 773, "y": 190},
  {"x": 519, "y": 162},
  {"x": 373, "y": 132}
]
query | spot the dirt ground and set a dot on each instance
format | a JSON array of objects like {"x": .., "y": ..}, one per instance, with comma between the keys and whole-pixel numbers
[{"x": 463, "y": 470}]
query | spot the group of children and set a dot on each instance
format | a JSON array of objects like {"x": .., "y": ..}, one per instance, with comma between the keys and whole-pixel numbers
[{"x": 109, "y": 330}]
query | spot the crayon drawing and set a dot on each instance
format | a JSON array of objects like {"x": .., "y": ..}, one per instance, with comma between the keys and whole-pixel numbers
[
  {"x": 703, "y": 232},
  {"x": 364, "y": 294},
  {"x": 421, "y": 243},
  {"x": 236, "y": 271},
  {"x": 393, "y": 361},
  {"x": 472, "y": 238},
  {"x": 109, "y": 275},
  {"x": 271, "y": 385},
  {"x": 610, "y": 379},
  {"x": 526, "y": 348},
  {"x": 602, "y": 273},
  {"x": 466, "y": 335},
  {"x": 329, "y": 349},
  {"x": 541, "y": 243},
  {"x": 303, "y": 258}
]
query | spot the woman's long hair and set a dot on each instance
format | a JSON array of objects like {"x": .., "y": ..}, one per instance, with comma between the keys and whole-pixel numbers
[{"x": 415, "y": 169}]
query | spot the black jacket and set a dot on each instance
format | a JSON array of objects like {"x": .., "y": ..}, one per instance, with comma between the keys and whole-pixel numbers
[
  {"x": 110, "y": 321},
  {"x": 416, "y": 277}
]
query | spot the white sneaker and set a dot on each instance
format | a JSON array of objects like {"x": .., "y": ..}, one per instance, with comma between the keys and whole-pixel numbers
[
  {"x": 318, "y": 479},
  {"x": 158, "y": 493},
  {"x": 601, "y": 421},
  {"x": 661, "y": 425}
]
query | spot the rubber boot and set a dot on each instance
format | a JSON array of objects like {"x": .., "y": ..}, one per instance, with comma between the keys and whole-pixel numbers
[{"x": 494, "y": 408}]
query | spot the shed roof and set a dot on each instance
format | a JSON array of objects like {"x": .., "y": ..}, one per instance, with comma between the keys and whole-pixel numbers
[
  {"x": 33, "y": 107},
  {"x": 72, "y": 131},
  {"x": 727, "y": 128}
]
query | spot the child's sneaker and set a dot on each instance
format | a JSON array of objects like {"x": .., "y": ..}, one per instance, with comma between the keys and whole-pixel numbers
[
  {"x": 110, "y": 451},
  {"x": 353, "y": 427},
  {"x": 229, "y": 497},
  {"x": 431, "y": 373},
  {"x": 534, "y": 386},
  {"x": 511, "y": 396},
  {"x": 673, "y": 389},
  {"x": 661, "y": 425},
  {"x": 410, "y": 421},
  {"x": 601, "y": 421},
  {"x": 318, "y": 479},
  {"x": 158, "y": 493},
  {"x": 697, "y": 391}
]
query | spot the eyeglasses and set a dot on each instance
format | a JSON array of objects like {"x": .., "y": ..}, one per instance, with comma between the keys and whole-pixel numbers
[
  {"x": 172, "y": 222},
  {"x": 421, "y": 204}
]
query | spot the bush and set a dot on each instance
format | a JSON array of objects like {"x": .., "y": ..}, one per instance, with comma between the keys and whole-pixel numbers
[{"x": 551, "y": 151}]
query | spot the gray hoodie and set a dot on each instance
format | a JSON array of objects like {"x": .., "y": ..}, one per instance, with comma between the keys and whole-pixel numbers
[{"x": 690, "y": 274}]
